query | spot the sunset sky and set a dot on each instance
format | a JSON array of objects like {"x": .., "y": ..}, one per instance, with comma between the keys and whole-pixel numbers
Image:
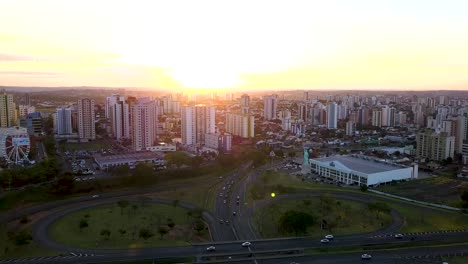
[{"x": 245, "y": 45}]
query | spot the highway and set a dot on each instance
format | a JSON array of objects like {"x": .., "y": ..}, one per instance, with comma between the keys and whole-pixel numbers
[{"x": 228, "y": 237}]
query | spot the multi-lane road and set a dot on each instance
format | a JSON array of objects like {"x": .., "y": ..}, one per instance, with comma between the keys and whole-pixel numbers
[{"x": 235, "y": 229}]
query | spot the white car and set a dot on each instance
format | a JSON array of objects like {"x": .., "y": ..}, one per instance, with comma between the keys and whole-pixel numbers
[
  {"x": 211, "y": 248},
  {"x": 398, "y": 236},
  {"x": 95, "y": 196},
  {"x": 366, "y": 256},
  {"x": 246, "y": 244},
  {"x": 324, "y": 240},
  {"x": 329, "y": 237}
]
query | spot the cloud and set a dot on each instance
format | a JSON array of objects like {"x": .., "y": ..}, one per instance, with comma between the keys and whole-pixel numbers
[
  {"x": 31, "y": 73},
  {"x": 14, "y": 57}
]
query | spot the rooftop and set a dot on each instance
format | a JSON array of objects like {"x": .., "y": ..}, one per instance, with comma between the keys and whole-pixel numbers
[
  {"x": 362, "y": 164},
  {"x": 128, "y": 157}
]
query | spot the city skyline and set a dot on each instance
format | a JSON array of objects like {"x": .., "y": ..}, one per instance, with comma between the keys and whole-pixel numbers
[{"x": 208, "y": 45}]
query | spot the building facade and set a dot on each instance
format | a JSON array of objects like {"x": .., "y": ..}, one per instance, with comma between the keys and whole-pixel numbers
[
  {"x": 145, "y": 124},
  {"x": 197, "y": 121},
  {"x": 270, "y": 104},
  {"x": 86, "y": 119},
  {"x": 7, "y": 110},
  {"x": 241, "y": 125},
  {"x": 434, "y": 145}
]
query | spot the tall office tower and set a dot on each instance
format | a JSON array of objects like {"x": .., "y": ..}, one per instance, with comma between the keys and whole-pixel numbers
[
  {"x": 388, "y": 116},
  {"x": 244, "y": 104},
  {"x": 434, "y": 145},
  {"x": 377, "y": 117},
  {"x": 145, "y": 124},
  {"x": 306, "y": 96},
  {"x": 86, "y": 126},
  {"x": 167, "y": 100},
  {"x": 63, "y": 121},
  {"x": 241, "y": 125},
  {"x": 24, "y": 110},
  {"x": 120, "y": 120},
  {"x": 110, "y": 101},
  {"x": 332, "y": 115},
  {"x": 27, "y": 99},
  {"x": 7, "y": 110},
  {"x": 270, "y": 103},
  {"x": 350, "y": 128},
  {"x": 303, "y": 111},
  {"x": 196, "y": 122}
]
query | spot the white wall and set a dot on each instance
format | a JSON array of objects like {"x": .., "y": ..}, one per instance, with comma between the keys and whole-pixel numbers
[{"x": 388, "y": 176}]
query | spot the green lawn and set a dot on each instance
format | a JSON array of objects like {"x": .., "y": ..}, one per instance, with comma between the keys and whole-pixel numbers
[
  {"x": 345, "y": 217},
  {"x": 441, "y": 190},
  {"x": 419, "y": 218},
  {"x": 456, "y": 260},
  {"x": 9, "y": 249},
  {"x": 125, "y": 225}
]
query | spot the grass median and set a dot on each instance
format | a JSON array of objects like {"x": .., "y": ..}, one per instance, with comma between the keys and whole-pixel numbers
[{"x": 130, "y": 225}]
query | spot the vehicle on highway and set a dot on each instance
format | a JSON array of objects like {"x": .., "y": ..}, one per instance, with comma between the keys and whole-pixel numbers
[
  {"x": 234, "y": 213},
  {"x": 211, "y": 248},
  {"x": 237, "y": 202},
  {"x": 95, "y": 196},
  {"x": 324, "y": 241},
  {"x": 238, "y": 197},
  {"x": 246, "y": 244},
  {"x": 221, "y": 221},
  {"x": 366, "y": 256},
  {"x": 227, "y": 222},
  {"x": 330, "y": 237},
  {"x": 224, "y": 201},
  {"x": 220, "y": 194},
  {"x": 399, "y": 236}
]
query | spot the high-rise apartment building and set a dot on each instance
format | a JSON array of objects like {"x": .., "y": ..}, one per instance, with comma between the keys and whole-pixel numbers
[
  {"x": 7, "y": 110},
  {"x": 86, "y": 119},
  {"x": 270, "y": 104},
  {"x": 145, "y": 124},
  {"x": 63, "y": 121},
  {"x": 197, "y": 121},
  {"x": 332, "y": 115},
  {"x": 120, "y": 120},
  {"x": 245, "y": 104},
  {"x": 110, "y": 101},
  {"x": 24, "y": 110},
  {"x": 388, "y": 116},
  {"x": 241, "y": 125},
  {"x": 434, "y": 145},
  {"x": 377, "y": 117},
  {"x": 303, "y": 111},
  {"x": 350, "y": 128}
]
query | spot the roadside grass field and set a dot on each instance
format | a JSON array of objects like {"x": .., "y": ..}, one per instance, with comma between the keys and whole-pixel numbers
[
  {"x": 347, "y": 217},
  {"x": 417, "y": 218},
  {"x": 125, "y": 226},
  {"x": 9, "y": 249},
  {"x": 440, "y": 190}
]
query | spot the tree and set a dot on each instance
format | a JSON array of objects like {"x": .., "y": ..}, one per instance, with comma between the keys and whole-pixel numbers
[
  {"x": 292, "y": 154},
  {"x": 105, "y": 233},
  {"x": 175, "y": 203},
  {"x": 364, "y": 188},
  {"x": 22, "y": 238},
  {"x": 162, "y": 231},
  {"x": 143, "y": 170},
  {"x": 122, "y": 204},
  {"x": 295, "y": 222},
  {"x": 464, "y": 196},
  {"x": 199, "y": 226},
  {"x": 177, "y": 158},
  {"x": 145, "y": 233},
  {"x": 63, "y": 186},
  {"x": 170, "y": 223},
  {"x": 122, "y": 231},
  {"x": 196, "y": 161},
  {"x": 83, "y": 224}
]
